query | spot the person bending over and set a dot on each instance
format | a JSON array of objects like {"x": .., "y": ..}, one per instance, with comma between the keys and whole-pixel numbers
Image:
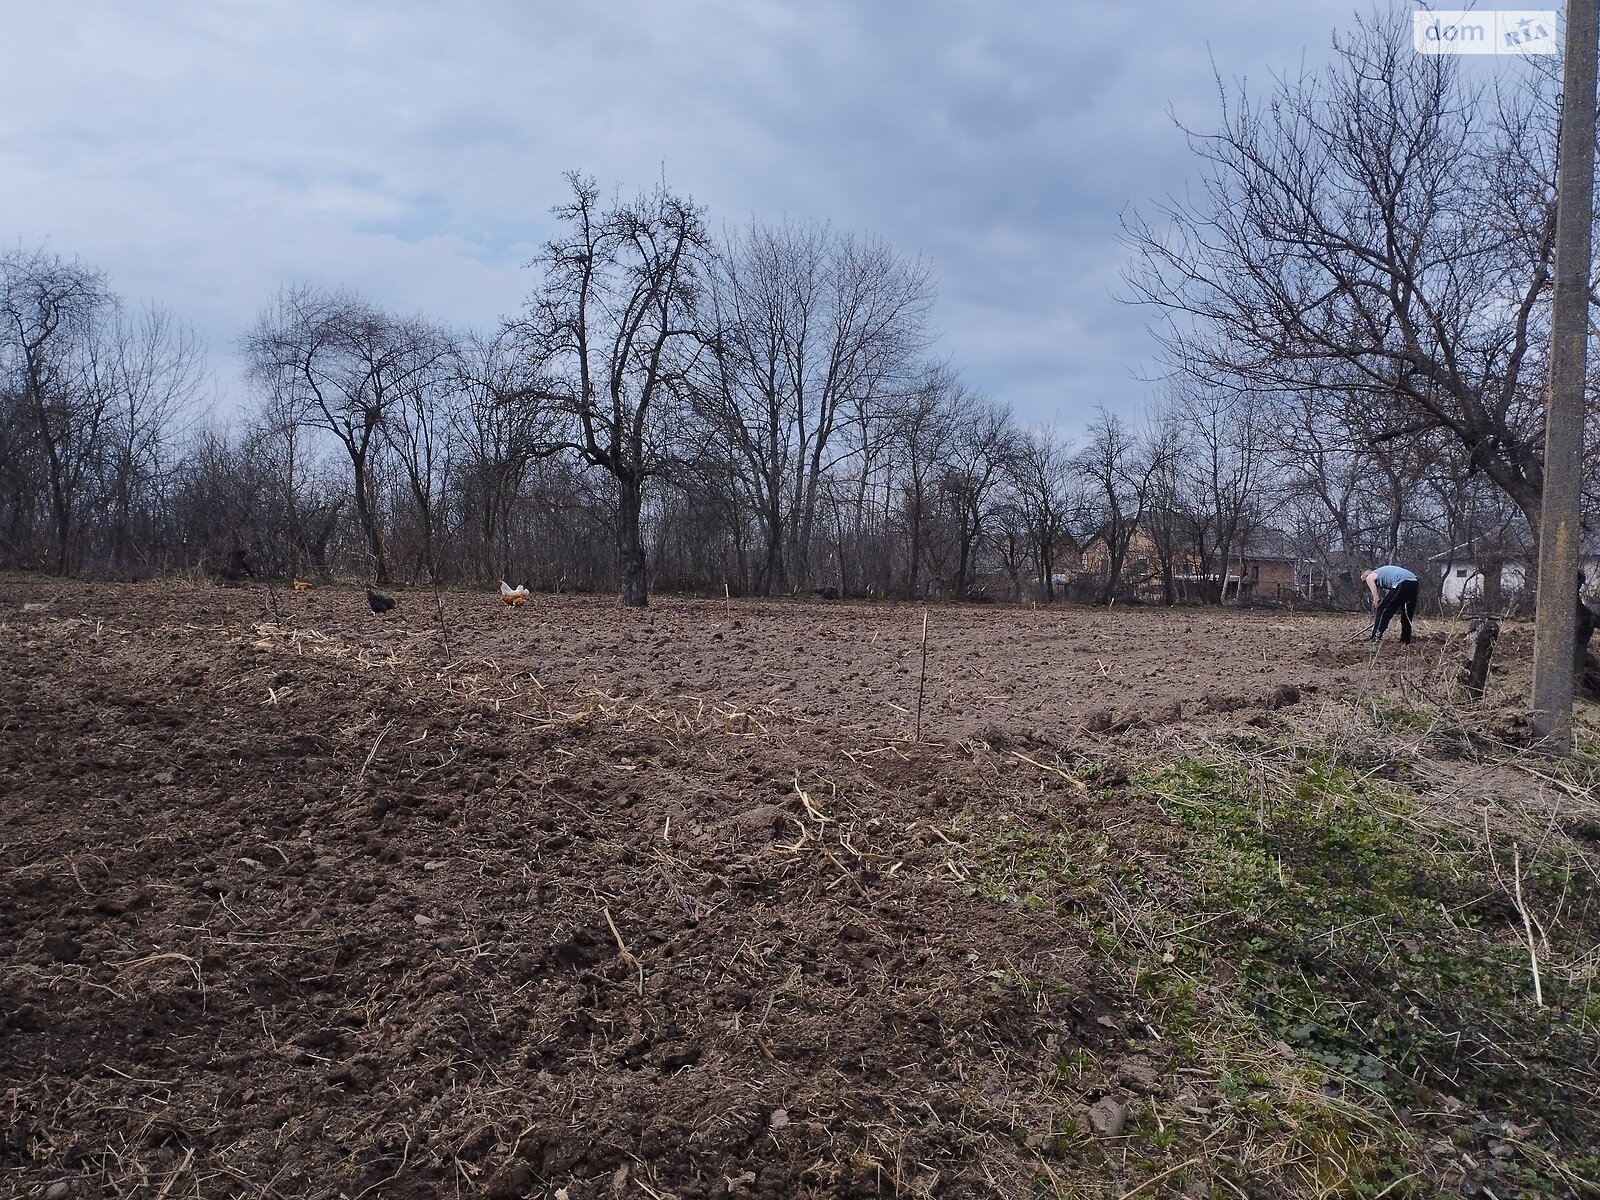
[{"x": 1399, "y": 595}]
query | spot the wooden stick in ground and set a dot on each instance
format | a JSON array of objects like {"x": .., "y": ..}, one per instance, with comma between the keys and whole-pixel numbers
[
  {"x": 272, "y": 595},
  {"x": 922, "y": 678},
  {"x": 272, "y": 588},
  {"x": 438, "y": 606},
  {"x": 727, "y": 600},
  {"x": 1484, "y": 632}
]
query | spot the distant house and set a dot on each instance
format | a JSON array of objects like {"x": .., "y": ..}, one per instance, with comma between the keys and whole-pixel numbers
[
  {"x": 1466, "y": 579},
  {"x": 1265, "y": 568},
  {"x": 1470, "y": 570},
  {"x": 1138, "y": 564},
  {"x": 1272, "y": 570}
]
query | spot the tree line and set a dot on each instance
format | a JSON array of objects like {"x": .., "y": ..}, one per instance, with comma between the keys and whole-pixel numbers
[{"x": 1353, "y": 306}]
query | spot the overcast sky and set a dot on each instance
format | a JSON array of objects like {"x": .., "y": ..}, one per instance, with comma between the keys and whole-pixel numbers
[{"x": 204, "y": 153}]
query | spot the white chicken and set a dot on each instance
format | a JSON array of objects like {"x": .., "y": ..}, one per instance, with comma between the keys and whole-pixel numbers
[{"x": 514, "y": 597}]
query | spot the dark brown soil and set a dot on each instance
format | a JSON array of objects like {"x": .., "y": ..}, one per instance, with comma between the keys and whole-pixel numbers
[
  {"x": 856, "y": 666},
  {"x": 597, "y": 904}
]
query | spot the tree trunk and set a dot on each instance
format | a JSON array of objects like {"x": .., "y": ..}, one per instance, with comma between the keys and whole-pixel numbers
[
  {"x": 430, "y": 552},
  {"x": 369, "y": 526},
  {"x": 1584, "y": 634},
  {"x": 1484, "y": 632},
  {"x": 121, "y": 533},
  {"x": 630, "y": 543},
  {"x": 63, "y": 546},
  {"x": 60, "y": 505},
  {"x": 915, "y": 549},
  {"x": 61, "y": 510},
  {"x": 1493, "y": 571},
  {"x": 1116, "y": 556},
  {"x": 1169, "y": 585},
  {"x": 772, "y": 569},
  {"x": 964, "y": 557}
]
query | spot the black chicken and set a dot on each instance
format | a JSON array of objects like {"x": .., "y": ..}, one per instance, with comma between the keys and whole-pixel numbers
[{"x": 380, "y": 603}]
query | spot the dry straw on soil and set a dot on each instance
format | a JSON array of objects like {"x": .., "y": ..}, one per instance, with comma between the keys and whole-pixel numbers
[{"x": 312, "y": 908}]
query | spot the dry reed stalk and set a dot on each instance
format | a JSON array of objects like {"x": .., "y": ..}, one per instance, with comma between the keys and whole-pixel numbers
[
  {"x": 1070, "y": 778},
  {"x": 623, "y": 950},
  {"x": 1527, "y": 925},
  {"x": 373, "y": 753}
]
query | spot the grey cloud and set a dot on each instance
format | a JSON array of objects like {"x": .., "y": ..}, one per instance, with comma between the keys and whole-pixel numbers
[{"x": 204, "y": 154}]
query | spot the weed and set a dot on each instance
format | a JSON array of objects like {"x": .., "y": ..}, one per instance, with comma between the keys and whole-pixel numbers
[{"x": 1333, "y": 963}]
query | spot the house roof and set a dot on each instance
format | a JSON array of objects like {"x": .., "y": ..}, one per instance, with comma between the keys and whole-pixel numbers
[
  {"x": 1271, "y": 545},
  {"x": 1479, "y": 547}
]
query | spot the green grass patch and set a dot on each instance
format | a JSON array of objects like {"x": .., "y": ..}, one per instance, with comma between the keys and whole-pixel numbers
[{"x": 1338, "y": 965}]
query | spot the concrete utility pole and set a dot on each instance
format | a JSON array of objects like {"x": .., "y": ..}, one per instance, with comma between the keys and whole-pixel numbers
[{"x": 1554, "y": 636}]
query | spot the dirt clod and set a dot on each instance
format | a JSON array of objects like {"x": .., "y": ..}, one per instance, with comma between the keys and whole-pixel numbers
[
  {"x": 1141, "y": 1077},
  {"x": 1108, "y": 1117}
]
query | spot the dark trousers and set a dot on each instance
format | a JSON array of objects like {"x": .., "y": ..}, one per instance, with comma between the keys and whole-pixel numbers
[{"x": 1402, "y": 599}]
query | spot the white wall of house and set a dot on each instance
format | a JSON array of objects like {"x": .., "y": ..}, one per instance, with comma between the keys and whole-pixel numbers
[{"x": 1463, "y": 580}]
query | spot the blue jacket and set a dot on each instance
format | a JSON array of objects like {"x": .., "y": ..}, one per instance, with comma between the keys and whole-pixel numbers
[{"x": 1392, "y": 576}]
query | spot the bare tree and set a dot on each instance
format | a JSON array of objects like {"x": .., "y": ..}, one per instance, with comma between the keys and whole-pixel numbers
[
  {"x": 1327, "y": 476},
  {"x": 614, "y": 329},
  {"x": 1477, "y": 526},
  {"x": 984, "y": 445},
  {"x": 871, "y": 329},
  {"x": 1230, "y": 467},
  {"x": 421, "y": 435},
  {"x": 766, "y": 288},
  {"x": 1008, "y": 537},
  {"x": 20, "y": 482},
  {"x": 150, "y": 370},
  {"x": 1118, "y": 466},
  {"x": 217, "y": 492},
  {"x": 1169, "y": 514},
  {"x": 925, "y": 428},
  {"x": 303, "y": 496},
  {"x": 501, "y": 430},
  {"x": 50, "y": 311},
  {"x": 1042, "y": 477},
  {"x": 1384, "y": 223},
  {"x": 816, "y": 331},
  {"x": 344, "y": 366}
]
